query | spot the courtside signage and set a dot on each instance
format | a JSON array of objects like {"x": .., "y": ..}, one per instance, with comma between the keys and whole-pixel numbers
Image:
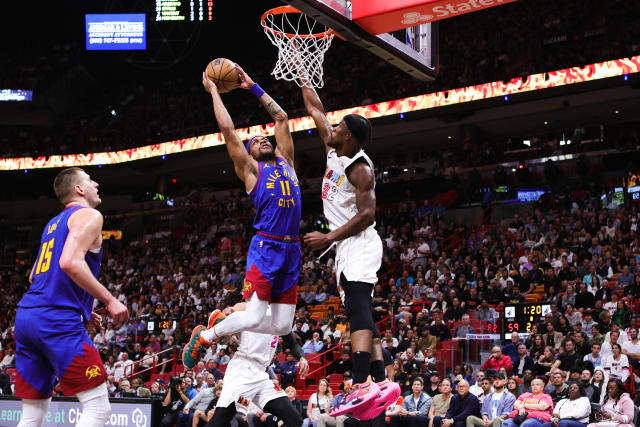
[
  {"x": 63, "y": 413},
  {"x": 123, "y": 31},
  {"x": 383, "y": 16}
]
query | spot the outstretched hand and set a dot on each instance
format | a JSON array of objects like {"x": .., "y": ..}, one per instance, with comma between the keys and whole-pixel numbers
[
  {"x": 208, "y": 84},
  {"x": 245, "y": 81},
  {"x": 316, "y": 240},
  {"x": 303, "y": 367}
]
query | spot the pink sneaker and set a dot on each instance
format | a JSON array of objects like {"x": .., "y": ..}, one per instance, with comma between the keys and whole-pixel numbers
[
  {"x": 389, "y": 393},
  {"x": 360, "y": 398}
]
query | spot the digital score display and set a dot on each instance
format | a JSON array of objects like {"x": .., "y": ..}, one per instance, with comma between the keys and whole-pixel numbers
[
  {"x": 521, "y": 317},
  {"x": 184, "y": 10},
  {"x": 160, "y": 325},
  {"x": 116, "y": 31}
]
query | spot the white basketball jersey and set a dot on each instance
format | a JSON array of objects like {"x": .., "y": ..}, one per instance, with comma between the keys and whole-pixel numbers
[
  {"x": 357, "y": 257},
  {"x": 258, "y": 348}
]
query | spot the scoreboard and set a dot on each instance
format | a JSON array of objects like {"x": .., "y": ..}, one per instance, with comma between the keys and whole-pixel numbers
[
  {"x": 183, "y": 10},
  {"x": 520, "y": 317}
]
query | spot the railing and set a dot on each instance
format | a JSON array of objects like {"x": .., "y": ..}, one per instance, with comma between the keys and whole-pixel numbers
[
  {"x": 132, "y": 368},
  {"x": 323, "y": 367}
]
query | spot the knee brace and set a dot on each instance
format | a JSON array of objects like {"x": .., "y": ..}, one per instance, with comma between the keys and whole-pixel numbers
[
  {"x": 357, "y": 303},
  {"x": 95, "y": 407}
]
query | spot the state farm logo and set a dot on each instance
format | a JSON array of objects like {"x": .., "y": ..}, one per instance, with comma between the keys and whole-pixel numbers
[
  {"x": 445, "y": 9},
  {"x": 415, "y": 18},
  {"x": 455, "y": 8}
]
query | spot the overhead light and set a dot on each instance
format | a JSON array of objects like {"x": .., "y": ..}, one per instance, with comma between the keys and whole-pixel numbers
[
  {"x": 113, "y": 113},
  {"x": 449, "y": 137},
  {"x": 513, "y": 169},
  {"x": 405, "y": 170},
  {"x": 527, "y": 142},
  {"x": 617, "y": 112},
  {"x": 546, "y": 122}
]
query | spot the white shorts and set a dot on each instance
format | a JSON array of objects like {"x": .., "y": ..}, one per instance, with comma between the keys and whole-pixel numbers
[
  {"x": 359, "y": 258},
  {"x": 246, "y": 382}
]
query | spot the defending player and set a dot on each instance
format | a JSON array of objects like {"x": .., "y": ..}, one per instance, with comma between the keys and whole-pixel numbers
[
  {"x": 273, "y": 261},
  {"x": 248, "y": 381},
  {"x": 349, "y": 200},
  {"x": 50, "y": 328}
]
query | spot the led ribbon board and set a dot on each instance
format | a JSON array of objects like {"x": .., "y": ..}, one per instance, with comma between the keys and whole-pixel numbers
[{"x": 568, "y": 76}]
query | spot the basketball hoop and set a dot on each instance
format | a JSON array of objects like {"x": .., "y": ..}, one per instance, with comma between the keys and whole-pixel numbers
[{"x": 301, "y": 42}]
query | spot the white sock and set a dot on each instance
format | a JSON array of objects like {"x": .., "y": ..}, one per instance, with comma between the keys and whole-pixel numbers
[
  {"x": 34, "y": 412},
  {"x": 255, "y": 318},
  {"x": 95, "y": 407}
]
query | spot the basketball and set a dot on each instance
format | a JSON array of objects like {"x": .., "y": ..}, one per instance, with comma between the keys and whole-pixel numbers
[{"x": 224, "y": 74}]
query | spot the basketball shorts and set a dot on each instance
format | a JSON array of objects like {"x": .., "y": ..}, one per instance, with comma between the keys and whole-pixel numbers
[
  {"x": 273, "y": 268},
  {"x": 53, "y": 343},
  {"x": 245, "y": 381}
]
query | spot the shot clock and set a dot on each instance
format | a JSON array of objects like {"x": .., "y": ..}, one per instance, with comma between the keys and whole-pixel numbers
[{"x": 521, "y": 317}]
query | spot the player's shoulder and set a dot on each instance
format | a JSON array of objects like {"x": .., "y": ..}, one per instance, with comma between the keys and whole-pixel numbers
[{"x": 85, "y": 215}]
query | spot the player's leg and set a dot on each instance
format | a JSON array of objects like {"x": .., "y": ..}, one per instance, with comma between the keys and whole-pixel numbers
[
  {"x": 357, "y": 302},
  {"x": 222, "y": 416},
  {"x": 282, "y": 408},
  {"x": 34, "y": 412},
  {"x": 35, "y": 376},
  {"x": 95, "y": 406}
]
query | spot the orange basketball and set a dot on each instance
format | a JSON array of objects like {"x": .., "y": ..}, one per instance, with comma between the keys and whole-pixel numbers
[{"x": 224, "y": 74}]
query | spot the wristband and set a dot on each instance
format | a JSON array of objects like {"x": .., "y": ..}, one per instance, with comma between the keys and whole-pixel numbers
[{"x": 256, "y": 90}]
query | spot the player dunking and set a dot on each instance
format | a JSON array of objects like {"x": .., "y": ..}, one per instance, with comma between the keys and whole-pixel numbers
[
  {"x": 349, "y": 201},
  {"x": 273, "y": 261},
  {"x": 50, "y": 328},
  {"x": 248, "y": 381}
]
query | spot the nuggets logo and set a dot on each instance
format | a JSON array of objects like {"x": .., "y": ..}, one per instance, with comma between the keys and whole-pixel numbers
[
  {"x": 93, "y": 371},
  {"x": 247, "y": 286},
  {"x": 243, "y": 401}
]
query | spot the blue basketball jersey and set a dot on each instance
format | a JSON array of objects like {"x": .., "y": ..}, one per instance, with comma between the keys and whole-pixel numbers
[
  {"x": 52, "y": 287},
  {"x": 277, "y": 199}
]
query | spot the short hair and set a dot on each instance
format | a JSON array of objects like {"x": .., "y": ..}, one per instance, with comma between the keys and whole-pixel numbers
[
  {"x": 64, "y": 182},
  {"x": 288, "y": 389},
  {"x": 419, "y": 379}
]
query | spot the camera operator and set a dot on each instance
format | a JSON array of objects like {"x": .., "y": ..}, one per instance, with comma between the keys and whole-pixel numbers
[{"x": 174, "y": 401}]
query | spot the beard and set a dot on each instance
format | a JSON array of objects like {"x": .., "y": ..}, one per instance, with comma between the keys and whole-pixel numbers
[{"x": 266, "y": 157}]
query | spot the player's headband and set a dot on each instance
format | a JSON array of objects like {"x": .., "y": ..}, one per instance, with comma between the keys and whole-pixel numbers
[{"x": 249, "y": 142}]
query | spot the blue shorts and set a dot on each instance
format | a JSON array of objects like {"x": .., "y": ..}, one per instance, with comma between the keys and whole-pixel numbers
[
  {"x": 273, "y": 267},
  {"x": 53, "y": 342}
]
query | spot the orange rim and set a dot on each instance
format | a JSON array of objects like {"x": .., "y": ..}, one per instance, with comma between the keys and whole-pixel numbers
[{"x": 290, "y": 9}]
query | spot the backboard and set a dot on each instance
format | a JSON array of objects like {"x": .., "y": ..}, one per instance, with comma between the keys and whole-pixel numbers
[{"x": 414, "y": 50}]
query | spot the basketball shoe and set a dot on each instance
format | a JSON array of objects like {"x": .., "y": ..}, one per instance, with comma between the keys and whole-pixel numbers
[
  {"x": 361, "y": 397},
  {"x": 198, "y": 345},
  {"x": 389, "y": 393}
]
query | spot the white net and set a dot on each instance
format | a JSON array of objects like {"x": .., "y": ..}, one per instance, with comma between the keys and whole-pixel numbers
[{"x": 302, "y": 43}]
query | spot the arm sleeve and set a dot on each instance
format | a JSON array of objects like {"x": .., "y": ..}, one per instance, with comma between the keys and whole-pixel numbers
[
  {"x": 291, "y": 342},
  {"x": 272, "y": 375}
]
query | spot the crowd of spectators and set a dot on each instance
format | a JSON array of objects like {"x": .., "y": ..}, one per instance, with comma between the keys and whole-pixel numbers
[
  {"x": 496, "y": 44},
  {"x": 585, "y": 258}
]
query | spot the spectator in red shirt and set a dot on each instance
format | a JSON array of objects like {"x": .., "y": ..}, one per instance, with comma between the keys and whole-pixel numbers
[{"x": 497, "y": 361}]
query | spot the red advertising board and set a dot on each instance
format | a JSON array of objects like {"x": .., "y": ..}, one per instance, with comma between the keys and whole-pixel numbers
[{"x": 383, "y": 16}]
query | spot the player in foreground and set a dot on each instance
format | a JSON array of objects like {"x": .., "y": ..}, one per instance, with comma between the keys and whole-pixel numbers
[
  {"x": 50, "y": 327},
  {"x": 246, "y": 379},
  {"x": 273, "y": 261},
  {"x": 349, "y": 200}
]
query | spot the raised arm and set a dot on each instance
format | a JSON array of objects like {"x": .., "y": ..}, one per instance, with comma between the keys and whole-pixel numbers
[
  {"x": 282, "y": 131},
  {"x": 246, "y": 167},
  {"x": 315, "y": 109}
]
